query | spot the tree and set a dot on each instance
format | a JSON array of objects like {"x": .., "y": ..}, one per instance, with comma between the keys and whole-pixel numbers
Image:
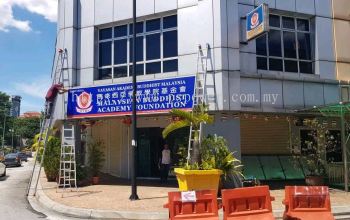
[
  {"x": 195, "y": 118},
  {"x": 4, "y": 112},
  {"x": 27, "y": 128}
]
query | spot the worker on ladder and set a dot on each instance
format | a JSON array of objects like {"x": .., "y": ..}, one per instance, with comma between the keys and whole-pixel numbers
[{"x": 51, "y": 96}]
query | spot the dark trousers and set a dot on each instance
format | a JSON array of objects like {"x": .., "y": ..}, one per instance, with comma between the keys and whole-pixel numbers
[{"x": 164, "y": 172}]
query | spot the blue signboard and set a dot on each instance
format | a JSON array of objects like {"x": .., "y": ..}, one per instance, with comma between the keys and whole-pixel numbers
[
  {"x": 152, "y": 96},
  {"x": 257, "y": 22}
]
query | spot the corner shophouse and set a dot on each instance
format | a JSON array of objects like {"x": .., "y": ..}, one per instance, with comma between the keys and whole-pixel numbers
[{"x": 255, "y": 85}]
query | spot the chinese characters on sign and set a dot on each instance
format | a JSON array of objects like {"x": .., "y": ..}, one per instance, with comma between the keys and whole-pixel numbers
[
  {"x": 257, "y": 22},
  {"x": 152, "y": 96}
]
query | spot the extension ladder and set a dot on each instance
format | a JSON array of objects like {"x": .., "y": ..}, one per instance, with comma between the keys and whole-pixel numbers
[
  {"x": 59, "y": 78},
  {"x": 200, "y": 94}
]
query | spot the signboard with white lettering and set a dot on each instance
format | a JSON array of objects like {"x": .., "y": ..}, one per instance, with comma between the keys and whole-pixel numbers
[
  {"x": 188, "y": 196},
  {"x": 111, "y": 100},
  {"x": 257, "y": 21}
]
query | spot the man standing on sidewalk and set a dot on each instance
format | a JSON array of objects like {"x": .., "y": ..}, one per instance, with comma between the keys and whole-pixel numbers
[{"x": 164, "y": 163}]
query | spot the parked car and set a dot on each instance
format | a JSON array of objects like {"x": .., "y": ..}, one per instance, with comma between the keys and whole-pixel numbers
[
  {"x": 29, "y": 153},
  {"x": 2, "y": 157},
  {"x": 2, "y": 169},
  {"x": 23, "y": 156},
  {"x": 13, "y": 159}
]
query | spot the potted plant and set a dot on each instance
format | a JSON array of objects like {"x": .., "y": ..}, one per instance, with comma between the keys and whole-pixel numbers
[
  {"x": 95, "y": 159},
  {"x": 202, "y": 168},
  {"x": 312, "y": 153}
]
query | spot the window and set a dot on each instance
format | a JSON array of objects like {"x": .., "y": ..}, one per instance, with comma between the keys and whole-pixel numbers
[
  {"x": 156, "y": 48},
  {"x": 308, "y": 141},
  {"x": 333, "y": 146},
  {"x": 287, "y": 47}
]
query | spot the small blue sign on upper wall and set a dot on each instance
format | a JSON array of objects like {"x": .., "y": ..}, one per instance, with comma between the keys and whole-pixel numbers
[{"x": 257, "y": 22}]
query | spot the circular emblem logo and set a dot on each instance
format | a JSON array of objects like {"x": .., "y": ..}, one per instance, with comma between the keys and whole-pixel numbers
[
  {"x": 84, "y": 101},
  {"x": 254, "y": 20}
]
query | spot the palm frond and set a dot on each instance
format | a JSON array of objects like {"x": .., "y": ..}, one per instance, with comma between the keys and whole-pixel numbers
[
  {"x": 185, "y": 115},
  {"x": 174, "y": 126}
]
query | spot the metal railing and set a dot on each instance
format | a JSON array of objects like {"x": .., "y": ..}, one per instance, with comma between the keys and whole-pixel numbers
[{"x": 336, "y": 173}]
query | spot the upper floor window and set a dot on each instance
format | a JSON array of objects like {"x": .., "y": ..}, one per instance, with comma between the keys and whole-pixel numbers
[
  {"x": 156, "y": 48},
  {"x": 287, "y": 47}
]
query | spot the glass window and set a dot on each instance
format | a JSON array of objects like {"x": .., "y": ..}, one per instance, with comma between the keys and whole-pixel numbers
[
  {"x": 274, "y": 21},
  {"x": 139, "y": 69},
  {"x": 304, "y": 46},
  {"x": 139, "y": 49},
  {"x": 105, "y": 34},
  {"x": 120, "y": 71},
  {"x": 152, "y": 68},
  {"x": 305, "y": 67},
  {"x": 170, "y": 66},
  {"x": 303, "y": 25},
  {"x": 275, "y": 43},
  {"x": 105, "y": 73},
  {"x": 276, "y": 64},
  {"x": 288, "y": 23},
  {"x": 262, "y": 63},
  {"x": 289, "y": 44},
  {"x": 105, "y": 58},
  {"x": 261, "y": 45},
  {"x": 291, "y": 66},
  {"x": 156, "y": 48},
  {"x": 170, "y": 44},
  {"x": 121, "y": 31},
  {"x": 153, "y": 25},
  {"x": 170, "y": 22},
  {"x": 120, "y": 51},
  {"x": 139, "y": 28},
  {"x": 153, "y": 47}
]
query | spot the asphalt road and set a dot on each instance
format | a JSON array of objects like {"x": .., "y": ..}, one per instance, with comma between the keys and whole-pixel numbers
[{"x": 13, "y": 201}]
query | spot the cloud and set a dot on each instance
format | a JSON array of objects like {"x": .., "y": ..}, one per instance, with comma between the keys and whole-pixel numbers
[
  {"x": 36, "y": 89},
  {"x": 45, "y": 8}
]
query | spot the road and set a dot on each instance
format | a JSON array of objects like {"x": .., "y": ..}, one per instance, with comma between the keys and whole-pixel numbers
[{"x": 13, "y": 202}]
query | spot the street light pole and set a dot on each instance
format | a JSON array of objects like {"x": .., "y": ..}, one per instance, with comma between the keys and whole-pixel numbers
[
  {"x": 134, "y": 195},
  {"x": 3, "y": 131}
]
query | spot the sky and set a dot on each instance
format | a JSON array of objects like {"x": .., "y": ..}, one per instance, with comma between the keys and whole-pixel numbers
[{"x": 27, "y": 45}]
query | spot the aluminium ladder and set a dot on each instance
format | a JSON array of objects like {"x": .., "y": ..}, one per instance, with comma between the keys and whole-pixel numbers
[
  {"x": 200, "y": 94},
  {"x": 67, "y": 172},
  {"x": 46, "y": 125}
]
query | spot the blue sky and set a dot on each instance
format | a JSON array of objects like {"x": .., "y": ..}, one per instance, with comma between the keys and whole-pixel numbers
[{"x": 26, "y": 52}]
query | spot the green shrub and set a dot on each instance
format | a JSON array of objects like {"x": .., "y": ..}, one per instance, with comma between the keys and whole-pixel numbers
[
  {"x": 96, "y": 156},
  {"x": 52, "y": 158}
]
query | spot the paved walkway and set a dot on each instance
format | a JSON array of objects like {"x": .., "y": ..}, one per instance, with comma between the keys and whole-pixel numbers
[{"x": 112, "y": 198}]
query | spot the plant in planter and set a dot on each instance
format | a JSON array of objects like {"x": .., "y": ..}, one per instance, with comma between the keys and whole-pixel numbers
[
  {"x": 202, "y": 167},
  {"x": 313, "y": 150},
  {"x": 216, "y": 154},
  {"x": 52, "y": 158},
  {"x": 95, "y": 159}
]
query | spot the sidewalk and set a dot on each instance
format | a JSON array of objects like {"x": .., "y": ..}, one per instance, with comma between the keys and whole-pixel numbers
[{"x": 111, "y": 201}]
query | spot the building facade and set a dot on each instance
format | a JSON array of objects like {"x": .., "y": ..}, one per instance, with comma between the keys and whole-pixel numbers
[
  {"x": 255, "y": 87},
  {"x": 15, "y": 110}
]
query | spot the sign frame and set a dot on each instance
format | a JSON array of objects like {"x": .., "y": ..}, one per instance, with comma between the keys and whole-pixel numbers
[
  {"x": 257, "y": 22},
  {"x": 89, "y": 97}
]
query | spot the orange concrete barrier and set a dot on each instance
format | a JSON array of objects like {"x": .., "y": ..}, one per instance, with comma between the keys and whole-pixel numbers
[
  {"x": 205, "y": 206},
  {"x": 307, "y": 203},
  {"x": 249, "y": 203}
]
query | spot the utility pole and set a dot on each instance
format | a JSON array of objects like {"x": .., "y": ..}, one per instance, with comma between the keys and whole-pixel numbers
[{"x": 134, "y": 195}]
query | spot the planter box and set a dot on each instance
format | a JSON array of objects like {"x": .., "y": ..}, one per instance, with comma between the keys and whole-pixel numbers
[
  {"x": 314, "y": 180},
  {"x": 197, "y": 179}
]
